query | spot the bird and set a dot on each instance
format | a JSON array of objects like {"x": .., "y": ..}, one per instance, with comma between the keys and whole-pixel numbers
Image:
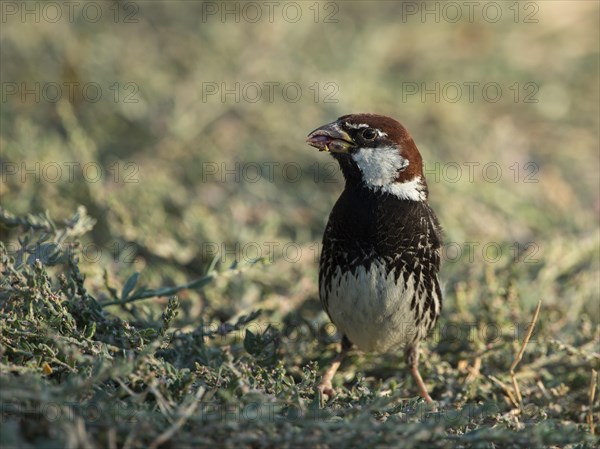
[{"x": 381, "y": 250}]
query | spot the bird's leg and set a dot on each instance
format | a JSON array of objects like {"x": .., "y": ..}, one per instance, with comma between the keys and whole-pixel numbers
[
  {"x": 325, "y": 386},
  {"x": 412, "y": 360}
]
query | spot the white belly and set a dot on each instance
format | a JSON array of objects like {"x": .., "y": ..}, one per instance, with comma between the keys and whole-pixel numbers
[{"x": 372, "y": 309}]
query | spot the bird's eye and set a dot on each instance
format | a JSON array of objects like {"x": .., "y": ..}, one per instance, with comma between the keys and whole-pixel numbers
[{"x": 369, "y": 133}]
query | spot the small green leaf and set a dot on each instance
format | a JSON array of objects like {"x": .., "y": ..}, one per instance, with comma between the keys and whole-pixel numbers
[
  {"x": 129, "y": 285},
  {"x": 250, "y": 342},
  {"x": 92, "y": 331}
]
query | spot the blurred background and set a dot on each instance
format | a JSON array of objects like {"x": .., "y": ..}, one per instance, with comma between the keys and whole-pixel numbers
[{"x": 180, "y": 126}]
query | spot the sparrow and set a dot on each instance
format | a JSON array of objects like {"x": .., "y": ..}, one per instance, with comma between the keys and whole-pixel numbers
[{"x": 378, "y": 272}]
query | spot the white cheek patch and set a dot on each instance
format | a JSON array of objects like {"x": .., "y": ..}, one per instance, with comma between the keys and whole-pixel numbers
[
  {"x": 409, "y": 190},
  {"x": 380, "y": 167}
]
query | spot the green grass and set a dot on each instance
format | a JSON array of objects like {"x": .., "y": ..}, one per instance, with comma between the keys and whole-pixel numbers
[{"x": 163, "y": 304}]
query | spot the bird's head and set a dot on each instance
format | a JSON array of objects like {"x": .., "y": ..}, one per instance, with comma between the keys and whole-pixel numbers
[{"x": 374, "y": 150}]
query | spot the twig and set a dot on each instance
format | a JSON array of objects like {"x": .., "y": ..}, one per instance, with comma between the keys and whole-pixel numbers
[
  {"x": 505, "y": 388},
  {"x": 592, "y": 394},
  {"x": 171, "y": 291},
  {"x": 186, "y": 413},
  {"x": 474, "y": 371},
  {"x": 520, "y": 353}
]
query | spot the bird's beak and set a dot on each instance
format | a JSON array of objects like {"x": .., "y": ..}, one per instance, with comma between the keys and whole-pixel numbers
[{"x": 331, "y": 138}]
